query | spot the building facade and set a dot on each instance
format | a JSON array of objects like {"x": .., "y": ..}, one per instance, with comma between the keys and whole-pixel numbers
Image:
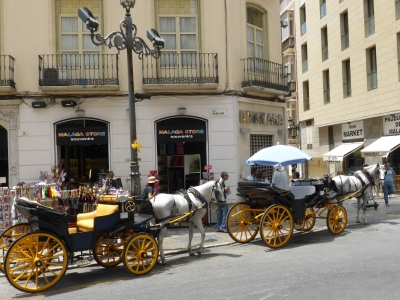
[
  {"x": 218, "y": 90},
  {"x": 348, "y": 83}
]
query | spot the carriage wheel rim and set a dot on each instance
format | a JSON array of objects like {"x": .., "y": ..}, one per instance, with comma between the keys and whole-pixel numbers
[
  {"x": 337, "y": 219},
  {"x": 108, "y": 250},
  {"x": 35, "y": 262},
  {"x": 241, "y": 224},
  {"x": 8, "y": 237},
  {"x": 140, "y": 254},
  {"x": 276, "y": 226},
  {"x": 309, "y": 219}
]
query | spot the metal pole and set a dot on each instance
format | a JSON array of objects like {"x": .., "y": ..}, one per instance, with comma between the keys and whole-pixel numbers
[{"x": 135, "y": 174}]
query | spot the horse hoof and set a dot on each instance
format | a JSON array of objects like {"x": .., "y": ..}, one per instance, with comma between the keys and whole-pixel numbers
[
  {"x": 191, "y": 254},
  {"x": 357, "y": 221},
  {"x": 164, "y": 263},
  {"x": 366, "y": 223},
  {"x": 198, "y": 253}
]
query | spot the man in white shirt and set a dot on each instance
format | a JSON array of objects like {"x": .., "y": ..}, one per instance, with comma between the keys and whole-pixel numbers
[{"x": 280, "y": 178}]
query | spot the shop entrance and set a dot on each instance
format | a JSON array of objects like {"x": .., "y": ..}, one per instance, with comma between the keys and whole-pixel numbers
[
  {"x": 82, "y": 148},
  {"x": 181, "y": 152},
  {"x": 3, "y": 156}
]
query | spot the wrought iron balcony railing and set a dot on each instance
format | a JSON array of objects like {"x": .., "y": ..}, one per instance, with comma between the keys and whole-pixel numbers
[
  {"x": 264, "y": 73},
  {"x": 288, "y": 43},
  {"x": 181, "y": 68},
  {"x": 7, "y": 71},
  {"x": 292, "y": 86},
  {"x": 78, "y": 69}
]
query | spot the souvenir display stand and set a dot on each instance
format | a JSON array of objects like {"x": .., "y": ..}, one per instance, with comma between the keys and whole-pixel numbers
[{"x": 5, "y": 209}]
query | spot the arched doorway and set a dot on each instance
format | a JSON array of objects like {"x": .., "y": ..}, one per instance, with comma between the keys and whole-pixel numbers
[
  {"x": 3, "y": 156},
  {"x": 83, "y": 148},
  {"x": 182, "y": 144}
]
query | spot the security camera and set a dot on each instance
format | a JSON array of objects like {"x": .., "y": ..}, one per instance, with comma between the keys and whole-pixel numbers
[
  {"x": 142, "y": 96},
  {"x": 155, "y": 38},
  {"x": 87, "y": 17}
]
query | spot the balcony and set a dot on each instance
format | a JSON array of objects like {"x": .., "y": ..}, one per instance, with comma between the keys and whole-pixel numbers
[
  {"x": 262, "y": 74},
  {"x": 87, "y": 73},
  {"x": 181, "y": 71},
  {"x": 370, "y": 26},
  {"x": 345, "y": 41},
  {"x": 7, "y": 84},
  {"x": 372, "y": 81},
  {"x": 292, "y": 86},
  {"x": 288, "y": 46},
  {"x": 347, "y": 89}
]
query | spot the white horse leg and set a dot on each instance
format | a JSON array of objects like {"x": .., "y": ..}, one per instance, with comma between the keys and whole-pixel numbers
[
  {"x": 191, "y": 229},
  {"x": 197, "y": 220},
  {"x": 358, "y": 210},
  {"x": 364, "y": 208},
  {"x": 160, "y": 238}
]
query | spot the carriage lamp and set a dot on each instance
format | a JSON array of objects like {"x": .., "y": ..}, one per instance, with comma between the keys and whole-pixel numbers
[
  {"x": 123, "y": 39},
  {"x": 292, "y": 129}
]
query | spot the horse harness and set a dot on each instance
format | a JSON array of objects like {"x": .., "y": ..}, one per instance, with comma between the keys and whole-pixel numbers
[{"x": 364, "y": 184}]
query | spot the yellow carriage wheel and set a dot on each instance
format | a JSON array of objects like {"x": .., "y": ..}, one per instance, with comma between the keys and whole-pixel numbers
[
  {"x": 308, "y": 221},
  {"x": 108, "y": 249},
  {"x": 276, "y": 226},
  {"x": 141, "y": 253},
  {"x": 36, "y": 262},
  {"x": 242, "y": 225},
  {"x": 336, "y": 220},
  {"x": 9, "y": 236}
]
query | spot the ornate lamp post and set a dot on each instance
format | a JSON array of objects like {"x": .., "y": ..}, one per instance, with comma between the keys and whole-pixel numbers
[
  {"x": 292, "y": 129},
  {"x": 126, "y": 39}
]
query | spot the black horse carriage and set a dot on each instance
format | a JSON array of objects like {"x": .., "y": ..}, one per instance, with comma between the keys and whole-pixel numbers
[
  {"x": 275, "y": 212},
  {"x": 36, "y": 254}
]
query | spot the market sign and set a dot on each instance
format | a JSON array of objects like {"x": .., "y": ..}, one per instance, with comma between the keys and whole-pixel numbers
[
  {"x": 177, "y": 134},
  {"x": 353, "y": 130},
  {"x": 81, "y": 136},
  {"x": 391, "y": 125}
]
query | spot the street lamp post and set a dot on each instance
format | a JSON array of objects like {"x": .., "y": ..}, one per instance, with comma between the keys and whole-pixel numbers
[{"x": 126, "y": 39}]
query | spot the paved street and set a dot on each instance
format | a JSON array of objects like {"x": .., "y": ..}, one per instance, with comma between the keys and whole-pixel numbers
[{"x": 360, "y": 263}]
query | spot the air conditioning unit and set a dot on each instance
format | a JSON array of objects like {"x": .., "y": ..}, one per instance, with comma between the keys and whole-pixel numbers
[{"x": 55, "y": 76}]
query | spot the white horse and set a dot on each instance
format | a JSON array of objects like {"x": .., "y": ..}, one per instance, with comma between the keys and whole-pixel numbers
[
  {"x": 362, "y": 181},
  {"x": 168, "y": 207}
]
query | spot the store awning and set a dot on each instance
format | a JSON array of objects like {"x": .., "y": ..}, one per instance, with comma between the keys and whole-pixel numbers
[
  {"x": 342, "y": 151},
  {"x": 382, "y": 147}
]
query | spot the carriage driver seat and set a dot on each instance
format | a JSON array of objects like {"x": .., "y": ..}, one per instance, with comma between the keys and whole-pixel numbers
[{"x": 104, "y": 217}]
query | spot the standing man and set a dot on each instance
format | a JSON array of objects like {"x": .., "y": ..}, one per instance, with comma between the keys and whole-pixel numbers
[
  {"x": 388, "y": 186},
  {"x": 222, "y": 211}
]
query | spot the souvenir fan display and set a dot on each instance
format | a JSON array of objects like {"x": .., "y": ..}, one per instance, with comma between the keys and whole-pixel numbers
[{"x": 5, "y": 209}]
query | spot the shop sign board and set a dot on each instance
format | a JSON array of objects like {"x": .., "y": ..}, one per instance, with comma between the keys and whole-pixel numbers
[
  {"x": 353, "y": 130},
  {"x": 219, "y": 112},
  {"x": 81, "y": 136},
  {"x": 185, "y": 133},
  {"x": 391, "y": 125}
]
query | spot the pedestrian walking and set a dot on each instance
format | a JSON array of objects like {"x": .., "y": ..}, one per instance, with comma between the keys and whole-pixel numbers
[
  {"x": 388, "y": 186},
  {"x": 222, "y": 211}
]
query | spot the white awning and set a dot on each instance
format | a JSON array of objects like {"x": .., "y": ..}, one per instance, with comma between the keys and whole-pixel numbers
[
  {"x": 341, "y": 151},
  {"x": 382, "y": 147}
]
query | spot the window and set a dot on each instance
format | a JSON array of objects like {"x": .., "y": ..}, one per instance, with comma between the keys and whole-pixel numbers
[
  {"x": 306, "y": 96},
  {"x": 322, "y": 8},
  {"x": 304, "y": 58},
  {"x": 372, "y": 76},
  {"x": 258, "y": 142},
  {"x": 255, "y": 33},
  {"x": 288, "y": 30},
  {"x": 398, "y": 52},
  {"x": 346, "y": 78},
  {"x": 397, "y": 8},
  {"x": 369, "y": 17},
  {"x": 344, "y": 29},
  {"x": 324, "y": 43},
  {"x": 327, "y": 96},
  {"x": 303, "y": 20},
  {"x": 178, "y": 25},
  {"x": 74, "y": 36}
]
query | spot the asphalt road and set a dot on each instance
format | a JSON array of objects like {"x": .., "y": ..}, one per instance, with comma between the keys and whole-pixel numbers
[{"x": 361, "y": 263}]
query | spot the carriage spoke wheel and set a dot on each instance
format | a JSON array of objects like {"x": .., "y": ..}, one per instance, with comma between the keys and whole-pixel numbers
[
  {"x": 336, "y": 219},
  {"x": 8, "y": 237},
  {"x": 141, "y": 253},
  {"x": 242, "y": 225},
  {"x": 308, "y": 221},
  {"x": 36, "y": 262},
  {"x": 108, "y": 249},
  {"x": 276, "y": 226}
]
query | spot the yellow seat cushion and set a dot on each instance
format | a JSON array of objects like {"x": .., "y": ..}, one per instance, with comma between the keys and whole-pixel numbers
[
  {"x": 85, "y": 222},
  {"x": 72, "y": 230}
]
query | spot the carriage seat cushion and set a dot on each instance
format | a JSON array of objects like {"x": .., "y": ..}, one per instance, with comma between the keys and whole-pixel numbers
[
  {"x": 85, "y": 222},
  {"x": 301, "y": 191}
]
